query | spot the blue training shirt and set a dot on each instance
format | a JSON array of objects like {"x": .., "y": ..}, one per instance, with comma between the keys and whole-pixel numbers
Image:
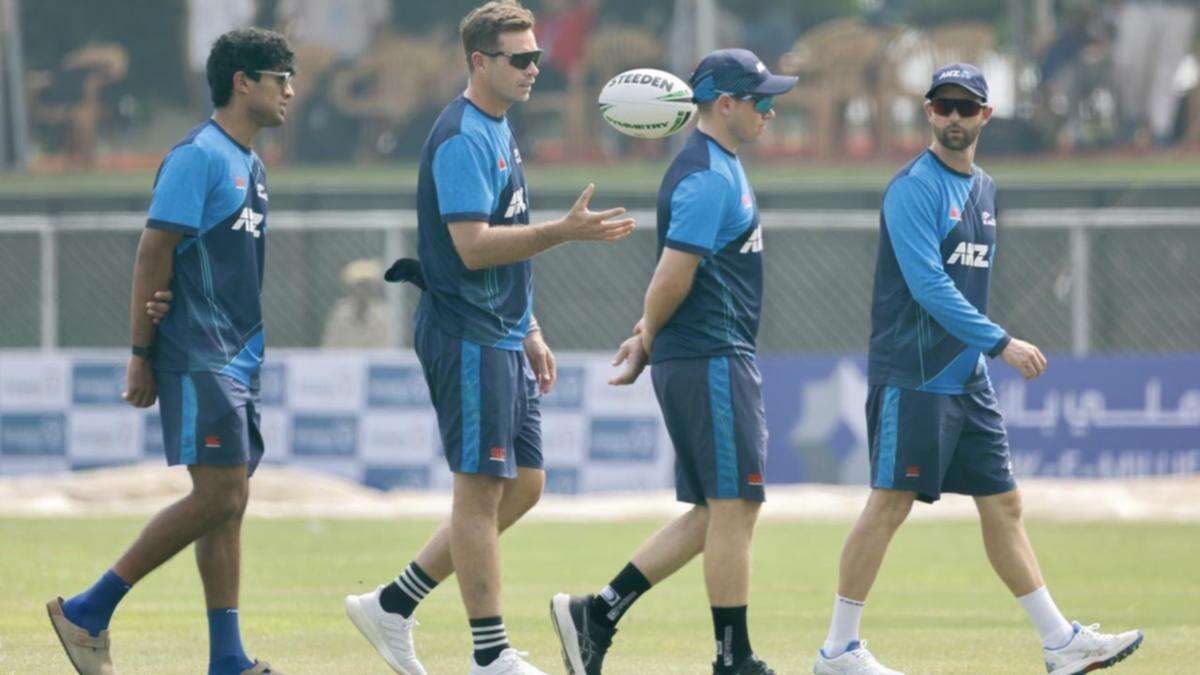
[
  {"x": 213, "y": 191},
  {"x": 937, "y": 246},
  {"x": 706, "y": 207},
  {"x": 471, "y": 171}
]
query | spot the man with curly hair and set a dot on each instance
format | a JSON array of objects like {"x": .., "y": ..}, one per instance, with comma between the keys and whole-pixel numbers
[{"x": 204, "y": 239}]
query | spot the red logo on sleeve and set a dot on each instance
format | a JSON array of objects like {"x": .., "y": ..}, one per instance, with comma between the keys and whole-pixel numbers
[
  {"x": 212, "y": 441},
  {"x": 498, "y": 453},
  {"x": 754, "y": 479},
  {"x": 502, "y": 164},
  {"x": 912, "y": 472}
]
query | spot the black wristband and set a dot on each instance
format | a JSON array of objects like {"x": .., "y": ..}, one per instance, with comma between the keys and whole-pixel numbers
[
  {"x": 144, "y": 352},
  {"x": 999, "y": 346}
]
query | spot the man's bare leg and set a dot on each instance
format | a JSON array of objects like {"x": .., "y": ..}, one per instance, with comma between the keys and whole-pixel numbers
[
  {"x": 727, "y": 577},
  {"x": 862, "y": 556}
]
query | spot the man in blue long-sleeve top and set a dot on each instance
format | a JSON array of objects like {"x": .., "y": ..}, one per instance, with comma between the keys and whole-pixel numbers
[{"x": 932, "y": 416}]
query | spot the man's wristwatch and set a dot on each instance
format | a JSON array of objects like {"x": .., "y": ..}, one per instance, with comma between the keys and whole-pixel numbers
[{"x": 146, "y": 353}]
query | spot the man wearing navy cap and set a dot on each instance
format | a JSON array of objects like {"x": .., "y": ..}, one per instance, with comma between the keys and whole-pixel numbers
[
  {"x": 698, "y": 329},
  {"x": 932, "y": 417}
]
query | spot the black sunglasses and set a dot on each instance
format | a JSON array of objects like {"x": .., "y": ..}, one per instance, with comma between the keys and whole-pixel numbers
[
  {"x": 965, "y": 107},
  {"x": 763, "y": 103},
  {"x": 519, "y": 61}
]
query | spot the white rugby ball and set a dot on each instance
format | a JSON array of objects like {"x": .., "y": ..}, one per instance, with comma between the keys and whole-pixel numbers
[{"x": 647, "y": 103}]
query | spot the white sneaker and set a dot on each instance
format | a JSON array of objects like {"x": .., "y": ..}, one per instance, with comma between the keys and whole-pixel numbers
[
  {"x": 854, "y": 661},
  {"x": 510, "y": 662},
  {"x": 1090, "y": 650},
  {"x": 390, "y": 633}
]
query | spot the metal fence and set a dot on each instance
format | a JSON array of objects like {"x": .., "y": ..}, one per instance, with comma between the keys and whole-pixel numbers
[{"x": 1083, "y": 281}]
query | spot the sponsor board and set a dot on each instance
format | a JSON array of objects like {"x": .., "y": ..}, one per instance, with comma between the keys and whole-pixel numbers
[
  {"x": 33, "y": 434},
  {"x": 397, "y": 386},
  {"x": 570, "y": 389},
  {"x": 33, "y": 383},
  {"x": 403, "y": 477},
  {"x": 400, "y": 437},
  {"x": 107, "y": 435},
  {"x": 623, "y": 439},
  {"x": 98, "y": 384},
  {"x": 324, "y": 435},
  {"x": 329, "y": 383}
]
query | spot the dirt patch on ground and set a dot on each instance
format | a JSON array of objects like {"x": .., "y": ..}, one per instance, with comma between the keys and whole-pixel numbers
[{"x": 287, "y": 492}]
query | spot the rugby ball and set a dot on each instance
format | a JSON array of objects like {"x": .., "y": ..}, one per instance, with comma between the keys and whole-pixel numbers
[{"x": 646, "y": 103}]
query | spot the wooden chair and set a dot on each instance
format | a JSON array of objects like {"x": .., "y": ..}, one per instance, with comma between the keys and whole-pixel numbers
[
  {"x": 71, "y": 96},
  {"x": 393, "y": 82},
  {"x": 837, "y": 62}
]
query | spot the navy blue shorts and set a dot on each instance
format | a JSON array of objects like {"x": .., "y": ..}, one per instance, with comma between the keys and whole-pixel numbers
[
  {"x": 208, "y": 418},
  {"x": 486, "y": 400},
  {"x": 713, "y": 409},
  {"x": 934, "y": 443}
]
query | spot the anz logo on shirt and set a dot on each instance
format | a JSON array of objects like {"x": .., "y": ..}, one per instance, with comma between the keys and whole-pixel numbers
[
  {"x": 754, "y": 243},
  {"x": 517, "y": 205},
  {"x": 971, "y": 255},
  {"x": 249, "y": 221}
]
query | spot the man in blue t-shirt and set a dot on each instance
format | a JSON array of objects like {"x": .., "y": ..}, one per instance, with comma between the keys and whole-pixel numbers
[
  {"x": 698, "y": 329},
  {"x": 204, "y": 239},
  {"x": 932, "y": 418},
  {"x": 479, "y": 344}
]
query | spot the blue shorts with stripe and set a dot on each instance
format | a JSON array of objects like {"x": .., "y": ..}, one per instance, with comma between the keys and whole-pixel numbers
[
  {"x": 713, "y": 409},
  {"x": 209, "y": 418},
  {"x": 934, "y": 443},
  {"x": 486, "y": 400}
]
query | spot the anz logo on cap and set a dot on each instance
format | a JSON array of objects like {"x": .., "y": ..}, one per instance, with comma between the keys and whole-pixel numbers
[{"x": 953, "y": 73}]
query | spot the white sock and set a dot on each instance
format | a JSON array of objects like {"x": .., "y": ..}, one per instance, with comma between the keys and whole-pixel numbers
[
  {"x": 843, "y": 629},
  {"x": 1053, "y": 628}
]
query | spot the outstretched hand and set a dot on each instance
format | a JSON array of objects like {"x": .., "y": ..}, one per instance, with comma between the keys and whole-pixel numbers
[{"x": 583, "y": 224}]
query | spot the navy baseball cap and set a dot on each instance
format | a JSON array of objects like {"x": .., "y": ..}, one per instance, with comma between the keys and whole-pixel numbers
[
  {"x": 964, "y": 75},
  {"x": 737, "y": 72}
]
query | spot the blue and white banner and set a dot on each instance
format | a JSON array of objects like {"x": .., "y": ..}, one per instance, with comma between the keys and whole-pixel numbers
[
  {"x": 1097, "y": 417},
  {"x": 360, "y": 415},
  {"x": 366, "y": 416}
]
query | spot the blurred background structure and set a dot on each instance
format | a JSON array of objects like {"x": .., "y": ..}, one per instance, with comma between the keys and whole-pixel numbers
[
  {"x": 1067, "y": 75},
  {"x": 1095, "y": 145}
]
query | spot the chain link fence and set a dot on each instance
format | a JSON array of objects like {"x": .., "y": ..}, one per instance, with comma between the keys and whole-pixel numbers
[{"x": 1085, "y": 281}]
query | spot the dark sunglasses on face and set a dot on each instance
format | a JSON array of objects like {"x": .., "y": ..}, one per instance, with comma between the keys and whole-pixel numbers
[
  {"x": 763, "y": 103},
  {"x": 519, "y": 61},
  {"x": 965, "y": 107}
]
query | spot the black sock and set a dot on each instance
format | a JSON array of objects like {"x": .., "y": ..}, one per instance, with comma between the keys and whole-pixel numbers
[
  {"x": 618, "y": 596},
  {"x": 489, "y": 638},
  {"x": 733, "y": 638},
  {"x": 404, "y": 594}
]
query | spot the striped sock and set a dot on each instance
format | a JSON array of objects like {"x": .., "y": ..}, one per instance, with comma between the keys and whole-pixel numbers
[
  {"x": 490, "y": 639},
  {"x": 408, "y": 590}
]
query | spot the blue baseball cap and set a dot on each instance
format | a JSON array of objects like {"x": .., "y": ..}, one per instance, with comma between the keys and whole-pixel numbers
[
  {"x": 964, "y": 75},
  {"x": 737, "y": 72}
]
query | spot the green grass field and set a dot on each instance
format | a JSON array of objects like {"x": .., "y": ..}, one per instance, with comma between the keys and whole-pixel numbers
[
  {"x": 937, "y": 606},
  {"x": 644, "y": 176}
]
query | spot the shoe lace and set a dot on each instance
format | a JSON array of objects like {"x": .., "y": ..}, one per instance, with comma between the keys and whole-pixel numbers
[{"x": 862, "y": 653}]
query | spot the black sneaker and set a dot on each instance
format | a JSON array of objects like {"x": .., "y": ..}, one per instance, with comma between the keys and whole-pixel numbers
[
  {"x": 584, "y": 640},
  {"x": 751, "y": 666}
]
